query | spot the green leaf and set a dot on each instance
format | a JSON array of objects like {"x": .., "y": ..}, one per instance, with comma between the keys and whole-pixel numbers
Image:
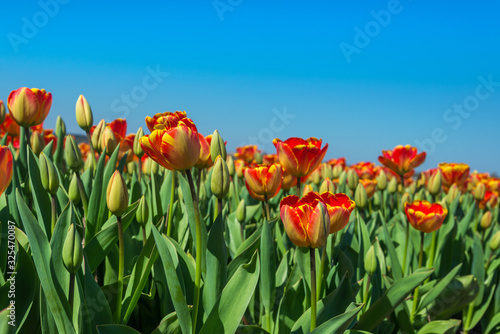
[
  {"x": 168, "y": 325},
  {"x": 245, "y": 252},
  {"x": 97, "y": 309},
  {"x": 439, "y": 287},
  {"x": 339, "y": 323},
  {"x": 268, "y": 268},
  {"x": 396, "y": 266},
  {"x": 480, "y": 309},
  {"x": 116, "y": 329},
  {"x": 290, "y": 310},
  {"x": 41, "y": 198},
  {"x": 227, "y": 313},
  {"x": 383, "y": 307},
  {"x": 96, "y": 199},
  {"x": 494, "y": 325},
  {"x": 440, "y": 327}
]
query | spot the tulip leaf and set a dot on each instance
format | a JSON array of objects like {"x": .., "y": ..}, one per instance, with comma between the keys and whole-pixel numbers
[
  {"x": 234, "y": 230},
  {"x": 116, "y": 329},
  {"x": 229, "y": 309},
  {"x": 168, "y": 325},
  {"x": 289, "y": 310},
  {"x": 439, "y": 287},
  {"x": 268, "y": 267},
  {"x": 396, "y": 266},
  {"x": 440, "y": 327},
  {"x": 41, "y": 198},
  {"x": 245, "y": 252},
  {"x": 339, "y": 323},
  {"x": 494, "y": 325},
  {"x": 383, "y": 307},
  {"x": 97, "y": 198},
  {"x": 480, "y": 309}
]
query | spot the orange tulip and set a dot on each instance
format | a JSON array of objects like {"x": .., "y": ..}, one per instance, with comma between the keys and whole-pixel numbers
[
  {"x": 454, "y": 174},
  {"x": 298, "y": 156},
  {"x": 366, "y": 170},
  {"x": 493, "y": 184},
  {"x": 176, "y": 147},
  {"x": 402, "y": 159},
  {"x": 339, "y": 208},
  {"x": 306, "y": 220},
  {"x": 490, "y": 198},
  {"x": 238, "y": 166},
  {"x": 476, "y": 177},
  {"x": 370, "y": 186},
  {"x": 6, "y": 168},
  {"x": 119, "y": 127},
  {"x": 166, "y": 120},
  {"x": 9, "y": 126},
  {"x": 339, "y": 161},
  {"x": 269, "y": 159},
  {"x": 204, "y": 160},
  {"x": 263, "y": 182},
  {"x": 127, "y": 146},
  {"x": 424, "y": 216},
  {"x": 246, "y": 153},
  {"x": 29, "y": 107},
  {"x": 289, "y": 181}
]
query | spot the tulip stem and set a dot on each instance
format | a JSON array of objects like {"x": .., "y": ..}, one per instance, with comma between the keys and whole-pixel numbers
[
  {"x": 27, "y": 134},
  {"x": 171, "y": 206},
  {"x": 406, "y": 247},
  {"x": 197, "y": 278},
  {"x": 266, "y": 204},
  {"x": 92, "y": 152},
  {"x": 139, "y": 172},
  {"x": 71, "y": 295},
  {"x": 54, "y": 213},
  {"x": 321, "y": 271},
  {"x": 298, "y": 186},
  {"x": 365, "y": 295},
  {"x": 143, "y": 228},
  {"x": 121, "y": 269},
  {"x": 415, "y": 294},
  {"x": 312, "y": 257}
]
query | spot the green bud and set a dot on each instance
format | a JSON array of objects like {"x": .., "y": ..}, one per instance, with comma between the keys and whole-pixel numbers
[
  {"x": 97, "y": 134},
  {"x": 72, "y": 252},
  {"x": 479, "y": 191},
  {"x": 452, "y": 194},
  {"x": 393, "y": 186},
  {"x": 48, "y": 174},
  {"x": 73, "y": 191},
  {"x": 326, "y": 171},
  {"x": 405, "y": 199},
  {"x": 336, "y": 171},
  {"x": 72, "y": 154},
  {"x": 241, "y": 211},
  {"x": 419, "y": 195},
  {"x": 315, "y": 177},
  {"x": 342, "y": 179},
  {"x": 137, "y": 143},
  {"x": 377, "y": 199},
  {"x": 412, "y": 188},
  {"x": 117, "y": 195},
  {"x": 84, "y": 116},
  {"x": 37, "y": 142},
  {"x": 142, "y": 213},
  {"x": 435, "y": 182},
  {"x": 217, "y": 147},
  {"x": 220, "y": 178},
  {"x": 108, "y": 141},
  {"x": 370, "y": 261},
  {"x": 327, "y": 185},
  {"x": 352, "y": 179},
  {"x": 89, "y": 163},
  {"x": 486, "y": 220},
  {"x": 495, "y": 241},
  {"x": 258, "y": 157},
  {"x": 131, "y": 167},
  {"x": 360, "y": 196},
  {"x": 230, "y": 165},
  {"x": 60, "y": 128},
  {"x": 381, "y": 180},
  {"x": 154, "y": 167}
]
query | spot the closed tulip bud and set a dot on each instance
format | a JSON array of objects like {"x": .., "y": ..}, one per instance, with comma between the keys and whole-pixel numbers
[
  {"x": 142, "y": 213},
  {"x": 146, "y": 166},
  {"x": 393, "y": 186},
  {"x": 412, "y": 188},
  {"x": 307, "y": 189},
  {"x": 97, "y": 134},
  {"x": 405, "y": 199},
  {"x": 486, "y": 220},
  {"x": 327, "y": 186},
  {"x": 435, "y": 182},
  {"x": 72, "y": 154},
  {"x": 217, "y": 147},
  {"x": 2, "y": 111},
  {"x": 336, "y": 171},
  {"x": 37, "y": 142},
  {"x": 89, "y": 163},
  {"x": 382, "y": 180},
  {"x": 72, "y": 252},
  {"x": 495, "y": 241},
  {"x": 108, "y": 141},
  {"x": 258, "y": 157},
  {"x": 326, "y": 171},
  {"x": 84, "y": 116},
  {"x": 29, "y": 107},
  {"x": 131, "y": 167},
  {"x": 420, "y": 195},
  {"x": 370, "y": 261},
  {"x": 377, "y": 199},
  {"x": 154, "y": 167},
  {"x": 60, "y": 127},
  {"x": 480, "y": 191},
  {"x": 138, "y": 151},
  {"x": 241, "y": 211},
  {"x": 73, "y": 191},
  {"x": 117, "y": 195},
  {"x": 342, "y": 179},
  {"x": 220, "y": 178},
  {"x": 360, "y": 196},
  {"x": 230, "y": 165},
  {"x": 48, "y": 174},
  {"x": 452, "y": 194},
  {"x": 352, "y": 179}
]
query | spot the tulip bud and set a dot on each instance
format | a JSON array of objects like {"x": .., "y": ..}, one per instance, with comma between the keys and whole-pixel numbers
[
  {"x": 108, "y": 141},
  {"x": 377, "y": 199},
  {"x": 326, "y": 171},
  {"x": 452, "y": 194},
  {"x": 37, "y": 142},
  {"x": 89, "y": 163},
  {"x": 360, "y": 196},
  {"x": 307, "y": 189},
  {"x": 73, "y": 191},
  {"x": 2, "y": 111},
  {"x": 217, "y": 147},
  {"x": 72, "y": 154},
  {"x": 117, "y": 195},
  {"x": 420, "y": 195},
  {"x": 495, "y": 241},
  {"x": 258, "y": 157},
  {"x": 142, "y": 213},
  {"x": 342, "y": 180},
  {"x": 336, "y": 171},
  {"x": 60, "y": 128},
  {"x": 241, "y": 211},
  {"x": 72, "y": 252},
  {"x": 220, "y": 178},
  {"x": 48, "y": 174},
  {"x": 315, "y": 177},
  {"x": 146, "y": 166},
  {"x": 352, "y": 179},
  {"x": 137, "y": 143},
  {"x": 393, "y": 186},
  {"x": 327, "y": 185},
  {"x": 435, "y": 182},
  {"x": 479, "y": 191},
  {"x": 405, "y": 199},
  {"x": 154, "y": 167},
  {"x": 84, "y": 116},
  {"x": 370, "y": 261},
  {"x": 381, "y": 180},
  {"x": 486, "y": 220},
  {"x": 230, "y": 165},
  {"x": 97, "y": 134},
  {"x": 131, "y": 167}
]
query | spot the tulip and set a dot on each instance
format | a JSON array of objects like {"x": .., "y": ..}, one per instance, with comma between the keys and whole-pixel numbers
[
  {"x": 73, "y": 191},
  {"x": 230, "y": 165},
  {"x": 9, "y": 126},
  {"x": 117, "y": 195},
  {"x": 479, "y": 192},
  {"x": 48, "y": 174},
  {"x": 246, "y": 153},
  {"x": 72, "y": 154},
  {"x": 238, "y": 166},
  {"x": 142, "y": 216},
  {"x": 29, "y": 107},
  {"x": 205, "y": 160},
  {"x": 108, "y": 141},
  {"x": 381, "y": 180},
  {"x": 72, "y": 252},
  {"x": 435, "y": 182},
  {"x": 263, "y": 182},
  {"x": 241, "y": 212},
  {"x": 495, "y": 242},
  {"x": 165, "y": 120},
  {"x": 352, "y": 179},
  {"x": 370, "y": 186},
  {"x": 84, "y": 116},
  {"x": 339, "y": 208},
  {"x": 6, "y": 168},
  {"x": 490, "y": 199},
  {"x": 402, "y": 159},
  {"x": 424, "y": 216},
  {"x": 97, "y": 135},
  {"x": 327, "y": 186},
  {"x": 454, "y": 174},
  {"x": 217, "y": 146},
  {"x": 486, "y": 220},
  {"x": 393, "y": 186},
  {"x": 370, "y": 262},
  {"x": 219, "y": 184},
  {"x": 361, "y": 196},
  {"x": 37, "y": 142},
  {"x": 137, "y": 143},
  {"x": 453, "y": 192},
  {"x": 269, "y": 159},
  {"x": 306, "y": 190},
  {"x": 300, "y": 157}
]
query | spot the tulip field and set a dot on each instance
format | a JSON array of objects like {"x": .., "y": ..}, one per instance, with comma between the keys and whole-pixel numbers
[{"x": 159, "y": 229}]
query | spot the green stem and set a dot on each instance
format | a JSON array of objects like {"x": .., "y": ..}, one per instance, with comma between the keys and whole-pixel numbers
[
  {"x": 121, "y": 270},
  {"x": 365, "y": 295},
  {"x": 143, "y": 228},
  {"x": 171, "y": 206},
  {"x": 92, "y": 151},
  {"x": 299, "y": 192},
  {"x": 71, "y": 291},
  {"x": 312, "y": 257},
  {"x": 197, "y": 278},
  {"x": 27, "y": 133},
  {"x": 321, "y": 271},
  {"x": 266, "y": 204},
  {"x": 235, "y": 193},
  {"x": 432, "y": 254},
  {"x": 415, "y": 295},
  {"x": 406, "y": 247},
  {"x": 54, "y": 213},
  {"x": 139, "y": 172}
]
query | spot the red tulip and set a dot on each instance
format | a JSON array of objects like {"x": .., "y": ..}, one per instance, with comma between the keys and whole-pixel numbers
[
  {"x": 454, "y": 174},
  {"x": 339, "y": 161},
  {"x": 298, "y": 156},
  {"x": 366, "y": 170},
  {"x": 402, "y": 159},
  {"x": 424, "y": 216},
  {"x": 339, "y": 208},
  {"x": 6, "y": 166},
  {"x": 165, "y": 120},
  {"x": 370, "y": 186},
  {"x": 29, "y": 107},
  {"x": 204, "y": 160},
  {"x": 246, "y": 153},
  {"x": 9, "y": 126},
  {"x": 263, "y": 182},
  {"x": 490, "y": 198}
]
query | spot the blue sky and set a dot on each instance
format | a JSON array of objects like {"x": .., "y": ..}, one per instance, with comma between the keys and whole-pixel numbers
[{"x": 363, "y": 76}]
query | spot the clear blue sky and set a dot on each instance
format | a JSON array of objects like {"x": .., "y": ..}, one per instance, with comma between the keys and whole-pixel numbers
[{"x": 235, "y": 65}]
